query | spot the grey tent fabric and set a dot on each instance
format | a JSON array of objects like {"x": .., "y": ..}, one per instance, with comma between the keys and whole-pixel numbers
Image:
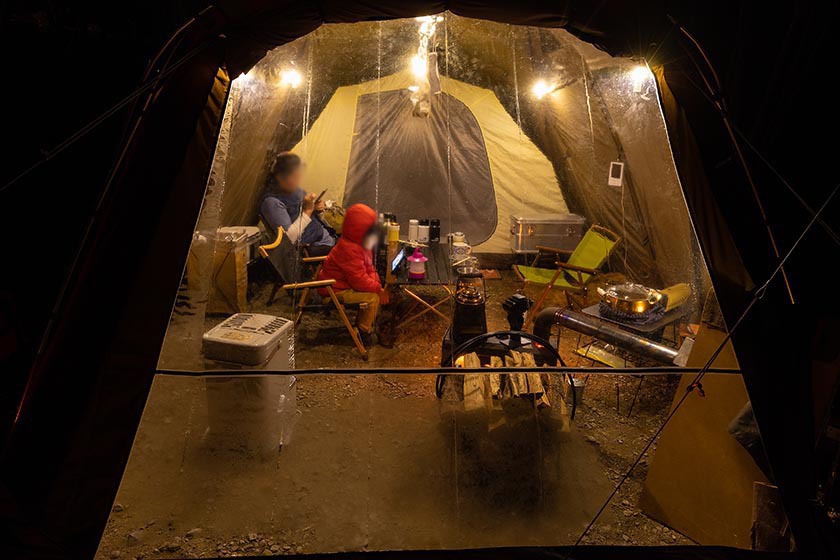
[{"x": 417, "y": 175}]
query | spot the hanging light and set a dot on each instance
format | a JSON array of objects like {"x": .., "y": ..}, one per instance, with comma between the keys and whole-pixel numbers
[
  {"x": 541, "y": 88},
  {"x": 639, "y": 76},
  {"x": 290, "y": 78},
  {"x": 424, "y": 67},
  {"x": 419, "y": 66}
]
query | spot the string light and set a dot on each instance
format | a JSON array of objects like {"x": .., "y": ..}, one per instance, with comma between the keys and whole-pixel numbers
[
  {"x": 541, "y": 88},
  {"x": 424, "y": 67},
  {"x": 640, "y": 75},
  {"x": 290, "y": 78},
  {"x": 419, "y": 66},
  {"x": 420, "y": 61}
]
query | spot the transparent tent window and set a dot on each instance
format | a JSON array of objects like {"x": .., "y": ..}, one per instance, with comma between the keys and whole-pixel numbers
[{"x": 443, "y": 118}]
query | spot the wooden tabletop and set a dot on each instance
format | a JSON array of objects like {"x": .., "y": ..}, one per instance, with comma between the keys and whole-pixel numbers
[{"x": 438, "y": 267}]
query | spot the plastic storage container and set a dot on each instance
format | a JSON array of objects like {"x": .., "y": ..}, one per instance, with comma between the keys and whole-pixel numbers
[{"x": 250, "y": 414}]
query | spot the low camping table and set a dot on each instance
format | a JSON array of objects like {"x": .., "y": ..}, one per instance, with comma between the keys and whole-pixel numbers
[{"x": 438, "y": 274}]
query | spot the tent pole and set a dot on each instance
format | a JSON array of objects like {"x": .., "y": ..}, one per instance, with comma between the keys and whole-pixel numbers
[{"x": 720, "y": 105}]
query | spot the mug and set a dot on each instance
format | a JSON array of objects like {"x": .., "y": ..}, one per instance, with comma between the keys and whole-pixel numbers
[{"x": 461, "y": 249}]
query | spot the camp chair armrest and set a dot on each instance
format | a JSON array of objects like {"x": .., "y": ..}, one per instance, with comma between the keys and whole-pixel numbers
[
  {"x": 264, "y": 249},
  {"x": 583, "y": 269},
  {"x": 543, "y": 248},
  {"x": 314, "y": 259},
  {"x": 518, "y": 273},
  {"x": 312, "y": 284}
]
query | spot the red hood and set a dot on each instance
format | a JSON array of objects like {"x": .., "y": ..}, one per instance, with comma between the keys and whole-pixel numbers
[{"x": 358, "y": 220}]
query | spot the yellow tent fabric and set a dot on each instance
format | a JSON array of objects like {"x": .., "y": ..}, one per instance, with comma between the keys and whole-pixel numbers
[{"x": 523, "y": 178}]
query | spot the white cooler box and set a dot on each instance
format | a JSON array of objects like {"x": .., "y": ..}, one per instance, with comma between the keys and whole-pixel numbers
[
  {"x": 252, "y": 414},
  {"x": 559, "y": 231}
]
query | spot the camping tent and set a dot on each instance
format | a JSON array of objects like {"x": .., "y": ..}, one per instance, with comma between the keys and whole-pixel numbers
[
  {"x": 494, "y": 169},
  {"x": 66, "y": 474}
]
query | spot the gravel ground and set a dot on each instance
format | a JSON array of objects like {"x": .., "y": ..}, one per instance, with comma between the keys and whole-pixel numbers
[{"x": 373, "y": 464}]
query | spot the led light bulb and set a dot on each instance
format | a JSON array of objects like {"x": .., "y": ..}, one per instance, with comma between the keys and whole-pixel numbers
[
  {"x": 291, "y": 78},
  {"x": 639, "y": 76},
  {"x": 541, "y": 88},
  {"x": 419, "y": 66}
]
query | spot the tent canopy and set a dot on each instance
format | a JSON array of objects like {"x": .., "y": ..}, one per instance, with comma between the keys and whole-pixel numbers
[
  {"x": 66, "y": 474},
  {"x": 544, "y": 155}
]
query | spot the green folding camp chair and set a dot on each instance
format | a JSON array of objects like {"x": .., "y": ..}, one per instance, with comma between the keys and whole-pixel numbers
[{"x": 573, "y": 275}]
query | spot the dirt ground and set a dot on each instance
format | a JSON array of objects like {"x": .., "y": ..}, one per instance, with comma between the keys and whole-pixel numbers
[{"x": 374, "y": 464}]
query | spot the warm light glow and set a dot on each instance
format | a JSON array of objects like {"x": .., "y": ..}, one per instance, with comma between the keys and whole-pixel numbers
[
  {"x": 639, "y": 76},
  {"x": 413, "y": 89},
  {"x": 291, "y": 78},
  {"x": 541, "y": 88},
  {"x": 419, "y": 66},
  {"x": 420, "y": 61}
]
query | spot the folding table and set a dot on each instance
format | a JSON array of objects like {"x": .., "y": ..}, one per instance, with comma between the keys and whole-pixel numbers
[{"x": 438, "y": 274}]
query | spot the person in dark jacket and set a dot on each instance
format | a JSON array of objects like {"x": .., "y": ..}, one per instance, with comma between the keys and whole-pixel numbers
[
  {"x": 350, "y": 264},
  {"x": 285, "y": 204}
]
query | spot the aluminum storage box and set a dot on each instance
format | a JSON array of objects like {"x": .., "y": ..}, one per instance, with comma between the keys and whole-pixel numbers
[{"x": 559, "y": 231}]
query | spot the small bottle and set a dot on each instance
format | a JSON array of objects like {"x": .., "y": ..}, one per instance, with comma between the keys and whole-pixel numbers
[
  {"x": 434, "y": 230},
  {"x": 393, "y": 232},
  {"x": 423, "y": 232},
  {"x": 413, "y": 230}
]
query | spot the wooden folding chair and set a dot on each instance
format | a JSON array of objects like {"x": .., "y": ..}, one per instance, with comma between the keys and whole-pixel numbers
[
  {"x": 289, "y": 266},
  {"x": 571, "y": 276}
]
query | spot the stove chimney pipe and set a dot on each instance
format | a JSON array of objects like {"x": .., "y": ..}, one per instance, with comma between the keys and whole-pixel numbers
[{"x": 601, "y": 330}]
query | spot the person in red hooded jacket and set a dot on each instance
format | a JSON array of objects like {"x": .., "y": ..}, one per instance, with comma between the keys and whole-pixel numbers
[{"x": 350, "y": 264}]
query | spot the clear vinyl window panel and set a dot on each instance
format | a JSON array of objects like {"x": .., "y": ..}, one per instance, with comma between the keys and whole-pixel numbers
[{"x": 504, "y": 138}]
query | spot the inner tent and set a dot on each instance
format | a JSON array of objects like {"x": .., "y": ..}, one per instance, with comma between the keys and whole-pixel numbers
[{"x": 494, "y": 131}]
